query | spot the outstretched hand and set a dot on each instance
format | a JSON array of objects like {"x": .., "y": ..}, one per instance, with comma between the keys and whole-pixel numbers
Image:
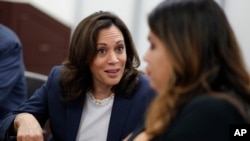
[{"x": 27, "y": 128}]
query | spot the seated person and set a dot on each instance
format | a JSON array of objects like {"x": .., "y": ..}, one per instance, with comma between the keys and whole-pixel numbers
[{"x": 96, "y": 95}]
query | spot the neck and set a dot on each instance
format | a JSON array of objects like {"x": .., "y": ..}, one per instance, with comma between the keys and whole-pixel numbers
[{"x": 100, "y": 93}]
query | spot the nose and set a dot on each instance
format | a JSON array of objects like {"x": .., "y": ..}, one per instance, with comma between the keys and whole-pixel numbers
[
  {"x": 112, "y": 58},
  {"x": 145, "y": 56}
]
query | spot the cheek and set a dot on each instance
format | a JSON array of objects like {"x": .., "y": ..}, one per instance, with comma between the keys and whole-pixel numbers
[
  {"x": 155, "y": 72},
  {"x": 97, "y": 64},
  {"x": 165, "y": 72},
  {"x": 161, "y": 73},
  {"x": 123, "y": 59}
]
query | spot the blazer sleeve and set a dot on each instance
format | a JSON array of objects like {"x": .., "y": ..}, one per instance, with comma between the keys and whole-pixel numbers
[{"x": 37, "y": 105}]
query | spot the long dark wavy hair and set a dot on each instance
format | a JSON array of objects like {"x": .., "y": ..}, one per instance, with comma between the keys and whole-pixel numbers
[
  {"x": 206, "y": 55},
  {"x": 76, "y": 77}
]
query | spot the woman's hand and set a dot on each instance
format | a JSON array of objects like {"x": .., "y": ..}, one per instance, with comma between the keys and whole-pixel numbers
[{"x": 27, "y": 128}]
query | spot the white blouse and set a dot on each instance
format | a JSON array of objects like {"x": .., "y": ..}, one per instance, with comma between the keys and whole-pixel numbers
[{"x": 95, "y": 119}]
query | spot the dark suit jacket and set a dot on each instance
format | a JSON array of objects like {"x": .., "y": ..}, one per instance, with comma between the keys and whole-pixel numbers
[
  {"x": 65, "y": 117},
  {"x": 13, "y": 87},
  {"x": 204, "y": 118}
]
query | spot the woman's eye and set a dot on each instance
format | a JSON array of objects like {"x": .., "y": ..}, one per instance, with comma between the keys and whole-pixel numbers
[
  {"x": 120, "y": 49},
  {"x": 101, "y": 51}
]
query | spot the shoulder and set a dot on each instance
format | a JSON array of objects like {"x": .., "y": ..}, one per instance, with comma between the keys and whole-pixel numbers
[
  {"x": 205, "y": 117},
  {"x": 212, "y": 107},
  {"x": 207, "y": 102},
  {"x": 143, "y": 81},
  {"x": 6, "y": 32},
  {"x": 55, "y": 73},
  {"x": 56, "y": 69},
  {"x": 143, "y": 84},
  {"x": 143, "y": 88},
  {"x": 52, "y": 83},
  {"x": 8, "y": 38}
]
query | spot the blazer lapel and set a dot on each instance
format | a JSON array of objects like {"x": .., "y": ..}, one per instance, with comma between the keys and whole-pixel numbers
[
  {"x": 118, "y": 118},
  {"x": 73, "y": 118}
]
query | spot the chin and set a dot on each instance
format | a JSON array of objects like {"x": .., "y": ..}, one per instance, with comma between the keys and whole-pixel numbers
[
  {"x": 152, "y": 85},
  {"x": 113, "y": 82}
]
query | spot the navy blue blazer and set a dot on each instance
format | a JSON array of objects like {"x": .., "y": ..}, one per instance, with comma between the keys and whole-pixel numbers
[
  {"x": 13, "y": 87},
  {"x": 46, "y": 103}
]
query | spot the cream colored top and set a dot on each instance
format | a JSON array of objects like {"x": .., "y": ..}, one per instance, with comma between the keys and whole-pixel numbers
[{"x": 95, "y": 119}]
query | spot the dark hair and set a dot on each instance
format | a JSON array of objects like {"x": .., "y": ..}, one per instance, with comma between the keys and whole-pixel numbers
[
  {"x": 76, "y": 78},
  {"x": 206, "y": 55}
]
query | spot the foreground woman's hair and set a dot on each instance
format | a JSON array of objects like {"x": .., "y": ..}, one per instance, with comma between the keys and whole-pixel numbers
[{"x": 207, "y": 59}]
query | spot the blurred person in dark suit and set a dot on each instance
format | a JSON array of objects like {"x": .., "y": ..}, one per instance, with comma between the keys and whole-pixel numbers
[{"x": 13, "y": 87}]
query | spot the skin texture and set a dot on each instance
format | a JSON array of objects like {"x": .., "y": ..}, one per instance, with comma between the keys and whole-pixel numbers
[
  {"x": 157, "y": 70},
  {"x": 27, "y": 127},
  {"x": 109, "y": 63}
]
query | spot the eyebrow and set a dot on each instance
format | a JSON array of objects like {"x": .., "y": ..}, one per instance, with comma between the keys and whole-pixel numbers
[{"x": 120, "y": 41}]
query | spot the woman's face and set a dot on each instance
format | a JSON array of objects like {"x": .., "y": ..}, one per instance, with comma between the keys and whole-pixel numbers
[
  {"x": 109, "y": 63},
  {"x": 159, "y": 68}
]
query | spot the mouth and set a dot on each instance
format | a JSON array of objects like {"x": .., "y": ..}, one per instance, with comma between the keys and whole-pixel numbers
[{"x": 112, "y": 72}]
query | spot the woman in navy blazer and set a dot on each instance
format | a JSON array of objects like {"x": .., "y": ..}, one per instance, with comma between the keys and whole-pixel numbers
[{"x": 99, "y": 74}]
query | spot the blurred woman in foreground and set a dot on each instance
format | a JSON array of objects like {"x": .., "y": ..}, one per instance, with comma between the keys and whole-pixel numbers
[{"x": 195, "y": 65}]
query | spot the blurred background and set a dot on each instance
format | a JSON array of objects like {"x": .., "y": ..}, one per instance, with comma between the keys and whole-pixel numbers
[{"x": 45, "y": 26}]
